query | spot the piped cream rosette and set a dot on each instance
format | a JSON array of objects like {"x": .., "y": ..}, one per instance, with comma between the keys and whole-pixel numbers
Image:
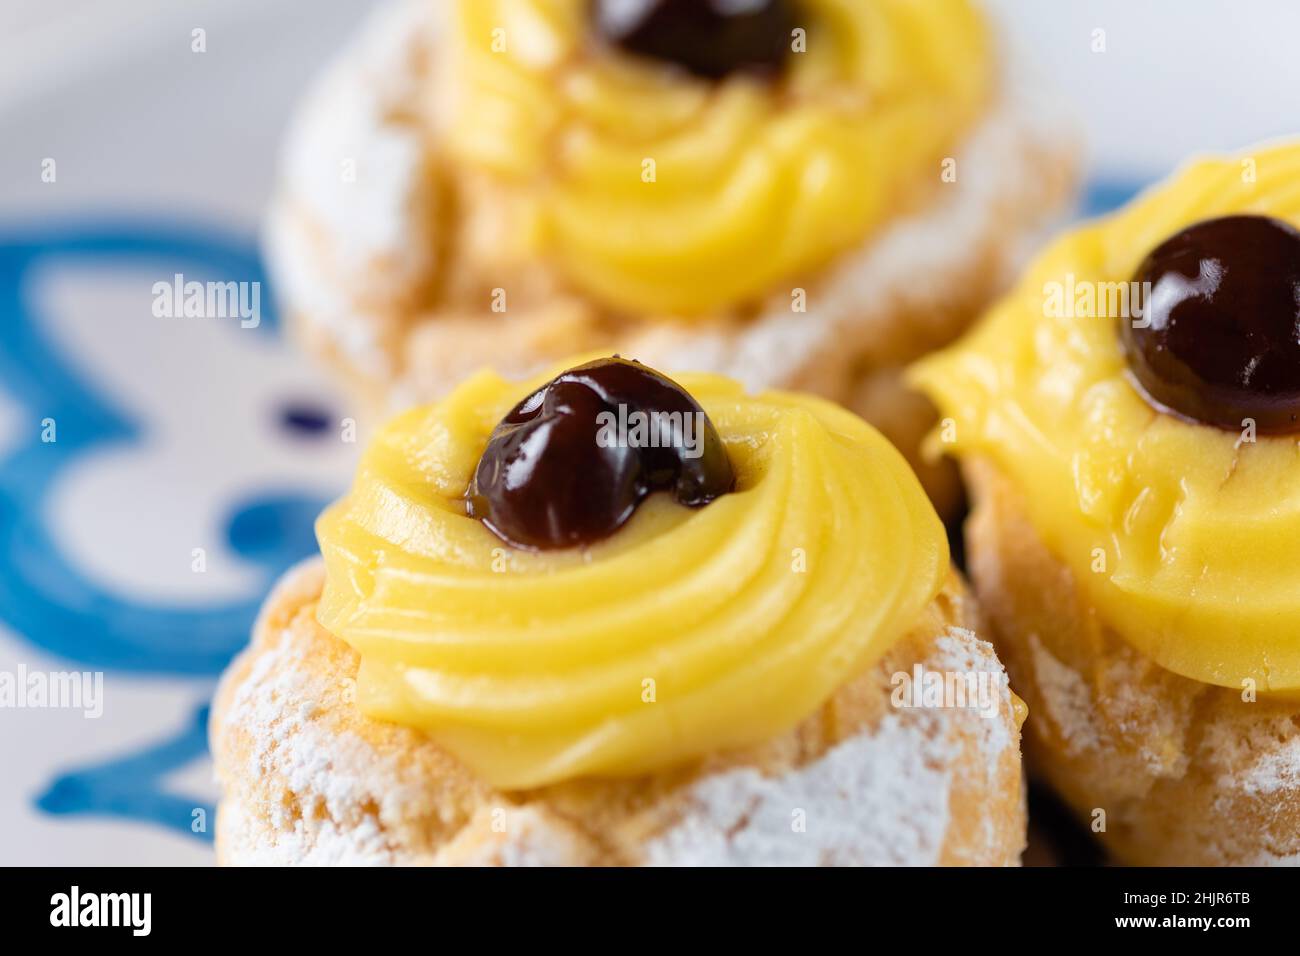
[
  {"x": 659, "y": 194},
  {"x": 686, "y": 632}
]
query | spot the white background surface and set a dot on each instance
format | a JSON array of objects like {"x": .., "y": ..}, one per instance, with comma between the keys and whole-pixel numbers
[
  {"x": 112, "y": 84},
  {"x": 1177, "y": 77}
]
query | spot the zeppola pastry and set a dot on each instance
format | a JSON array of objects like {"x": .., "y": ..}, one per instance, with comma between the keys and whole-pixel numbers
[
  {"x": 609, "y": 617},
  {"x": 1128, "y": 421},
  {"x": 802, "y": 194}
]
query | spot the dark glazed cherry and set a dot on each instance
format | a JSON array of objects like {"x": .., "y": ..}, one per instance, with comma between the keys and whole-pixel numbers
[
  {"x": 558, "y": 471},
  {"x": 1222, "y": 336},
  {"x": 710, "y": 38}
]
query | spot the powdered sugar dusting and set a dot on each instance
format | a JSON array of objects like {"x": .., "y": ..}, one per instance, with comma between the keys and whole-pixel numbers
[
  {"x": 354, "y": 211},
  {"x": 317, "y": 821},
  {"x": 1272, "y": 772},
  {"x": 356, "y": 151},
  {"x": 876, "y": 799},
  {"x": 1067, "y": 699},
  {"x": 316, "y": 793},
  {"x": 249, "y": 844},
  {"x": 1263, "y": 751},
  {"x": 880, "y": 798},
  {"x": 524, "y": 836},
  {"x": 960, "y": 651}
]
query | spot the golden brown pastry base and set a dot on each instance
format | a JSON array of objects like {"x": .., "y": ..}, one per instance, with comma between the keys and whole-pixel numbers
[
  {"x": 308, "y": 779},
  {"x": 1184, "y": 772}
]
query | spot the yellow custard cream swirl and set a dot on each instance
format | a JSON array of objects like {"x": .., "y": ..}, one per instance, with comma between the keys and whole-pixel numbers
[
  {"x": 686, "y": 632},
  {"x": 655, "y": 191},
  {"x": 1185, "y": 537}
]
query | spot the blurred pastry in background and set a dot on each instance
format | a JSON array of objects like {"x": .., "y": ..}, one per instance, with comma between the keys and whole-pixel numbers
[{"x": 801, "y": 194}]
